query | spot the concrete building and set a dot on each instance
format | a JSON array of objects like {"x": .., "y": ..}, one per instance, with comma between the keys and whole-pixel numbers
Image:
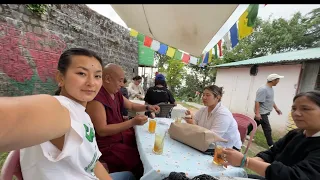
[{"x": 242, "y": 79}]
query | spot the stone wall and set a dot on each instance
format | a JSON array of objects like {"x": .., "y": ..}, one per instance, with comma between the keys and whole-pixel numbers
[{"x": 30, "y": 45}]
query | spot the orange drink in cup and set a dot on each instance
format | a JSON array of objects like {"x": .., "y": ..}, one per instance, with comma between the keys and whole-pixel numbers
[
  {"x": 152, "y": 126},
  {"x": 218, "y": 155},
  {"x": 159, "y": 142}
]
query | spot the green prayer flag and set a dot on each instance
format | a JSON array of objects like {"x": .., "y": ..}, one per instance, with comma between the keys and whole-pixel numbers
[
  {"x": 252, "y": 14},
  {"x": 215, "y": 52},
  {"x": 145, "y": 55},
  {"x": 140, "y": 37},
  {"x": 178, "y": 55}
]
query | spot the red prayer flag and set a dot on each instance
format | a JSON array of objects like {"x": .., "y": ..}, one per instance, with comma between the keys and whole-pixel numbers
[
  {"x": 185, "y": 58},
  {"x": 147, "y": 41},
  {"x": 220, "y": 48}
]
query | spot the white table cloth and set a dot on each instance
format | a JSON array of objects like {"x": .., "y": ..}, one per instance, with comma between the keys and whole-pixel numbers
[{"x": 176, "y": 157}]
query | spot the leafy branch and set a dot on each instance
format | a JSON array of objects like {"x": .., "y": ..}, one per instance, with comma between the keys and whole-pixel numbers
[{"x": 38, "y": 9}]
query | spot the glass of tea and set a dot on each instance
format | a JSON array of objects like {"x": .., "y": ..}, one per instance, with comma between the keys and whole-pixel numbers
[
  {"x": 218, "y": 155},
  {"x": 159, "y": 141},
  {"x": 152, "y": 126}
]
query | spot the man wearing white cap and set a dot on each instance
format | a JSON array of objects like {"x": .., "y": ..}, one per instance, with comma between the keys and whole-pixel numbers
[{"x": 264, "y": 104}]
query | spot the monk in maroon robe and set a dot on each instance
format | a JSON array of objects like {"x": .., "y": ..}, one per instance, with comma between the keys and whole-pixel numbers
[{"x": 116, "y": 137}]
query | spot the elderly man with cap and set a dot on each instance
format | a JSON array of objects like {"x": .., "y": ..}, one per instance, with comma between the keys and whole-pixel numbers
[{"x": 264, "y": 104}]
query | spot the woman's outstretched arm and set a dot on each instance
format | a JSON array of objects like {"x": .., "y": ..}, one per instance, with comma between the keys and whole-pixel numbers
[{"x": 30, "y": 120}]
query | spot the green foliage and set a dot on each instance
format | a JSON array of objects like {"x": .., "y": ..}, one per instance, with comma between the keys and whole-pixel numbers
[
  {"x": 276, "y": 36},
  {"x": 269, "y": 37},
  {"x": 197, "y": 80},
  {"x": 38, "y": 9}
]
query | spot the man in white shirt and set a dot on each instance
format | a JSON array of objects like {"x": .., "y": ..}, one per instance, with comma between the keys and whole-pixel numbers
[{"x": 264, "y": 104}]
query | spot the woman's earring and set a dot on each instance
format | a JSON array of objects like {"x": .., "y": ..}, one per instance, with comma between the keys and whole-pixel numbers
[{"x": 59, "y": 84}]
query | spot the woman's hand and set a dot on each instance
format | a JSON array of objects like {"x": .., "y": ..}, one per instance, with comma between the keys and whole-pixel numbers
[
  {"x": 188, "y": 113},
  {"x": 233, "y": 157}
]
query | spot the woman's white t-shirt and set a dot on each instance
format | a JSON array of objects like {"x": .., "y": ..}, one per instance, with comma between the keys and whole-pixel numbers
[
  {"x": 221, "y": 122},
  {"x": 77, "y": 158}
]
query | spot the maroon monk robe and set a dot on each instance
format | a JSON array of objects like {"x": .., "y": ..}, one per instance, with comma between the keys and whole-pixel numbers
[{"x": 120, "y": 150}]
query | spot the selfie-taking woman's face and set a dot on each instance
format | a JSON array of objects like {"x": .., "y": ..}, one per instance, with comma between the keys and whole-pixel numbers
[{"x": 82, "y": 80}]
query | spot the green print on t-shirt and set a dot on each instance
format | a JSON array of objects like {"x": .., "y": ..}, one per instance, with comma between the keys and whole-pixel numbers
[
  {"x": 89, "y": 133},
  {"x": 92, "y": 164}
]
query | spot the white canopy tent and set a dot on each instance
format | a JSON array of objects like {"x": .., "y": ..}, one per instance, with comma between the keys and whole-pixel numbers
[{"x": 185, "y": 27}]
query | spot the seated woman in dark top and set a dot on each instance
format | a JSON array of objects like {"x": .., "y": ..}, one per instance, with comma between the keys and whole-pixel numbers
[
  {"x": 159, "y": 93},
  {"x": 297, "y": 154}
]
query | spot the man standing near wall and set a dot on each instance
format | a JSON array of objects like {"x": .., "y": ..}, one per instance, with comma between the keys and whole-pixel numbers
[{"x": 264, "y": 104}]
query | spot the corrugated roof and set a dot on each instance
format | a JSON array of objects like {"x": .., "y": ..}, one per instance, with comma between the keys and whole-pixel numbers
[{"x": 301, "y": 55}]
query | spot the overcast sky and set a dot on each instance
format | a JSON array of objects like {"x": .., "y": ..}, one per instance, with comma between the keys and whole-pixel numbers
[{"x": 273, "y": 11}]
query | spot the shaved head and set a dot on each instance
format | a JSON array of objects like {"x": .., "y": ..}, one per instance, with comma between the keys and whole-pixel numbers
[
  {"x": 112, "y": 69},
  {"x": 113, "y": 76}
]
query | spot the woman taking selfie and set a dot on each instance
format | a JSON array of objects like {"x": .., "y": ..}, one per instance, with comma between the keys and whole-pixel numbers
[
  {"x": 67, "y": 146},
  {"x": 296, "y": 156}
]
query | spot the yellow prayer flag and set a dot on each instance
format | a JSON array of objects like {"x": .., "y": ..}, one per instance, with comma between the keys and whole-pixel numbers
[
  {"x": 170, "y": 51},
  {"x": 210, "y": 56},
  {"x": 133, "y": 33},
  {"x": 244, "y": 29}
]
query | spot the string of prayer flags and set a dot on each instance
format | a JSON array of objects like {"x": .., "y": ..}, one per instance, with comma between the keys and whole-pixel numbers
[
  {"x": 155, "y": 45},
  {"x": 152, "y": 45},
  {"x": 234, "y": 35},
  {"x": 163, "y": 49},
  {"x": 193, "y": 60},
  {"x": 147, "y": 41},
  {"x": 133, "y": 33},
  {"x": 171, "y": 51},
  {"x": 220, "y": 47},
  {"x": 252, "y": 14},
  {"x": 185, "y": 58}
]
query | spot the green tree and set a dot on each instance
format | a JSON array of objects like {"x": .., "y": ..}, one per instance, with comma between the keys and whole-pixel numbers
[
  {"x": 312, "y": 19},
  {"x": 276, "y": 36}
]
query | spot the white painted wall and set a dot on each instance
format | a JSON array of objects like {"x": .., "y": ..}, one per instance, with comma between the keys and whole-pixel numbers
[{"x": 240, "y": 90}]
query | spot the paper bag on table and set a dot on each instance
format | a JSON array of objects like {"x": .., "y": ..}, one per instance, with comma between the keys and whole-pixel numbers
[{"x": 195, "y": 136}]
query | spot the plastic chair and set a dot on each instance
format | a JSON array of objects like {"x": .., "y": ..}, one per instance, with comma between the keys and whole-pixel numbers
[
  {"x": 243, "y": 123},
  {"x": 165, "y": 110},
  {"x": 11, "y": 167}
]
